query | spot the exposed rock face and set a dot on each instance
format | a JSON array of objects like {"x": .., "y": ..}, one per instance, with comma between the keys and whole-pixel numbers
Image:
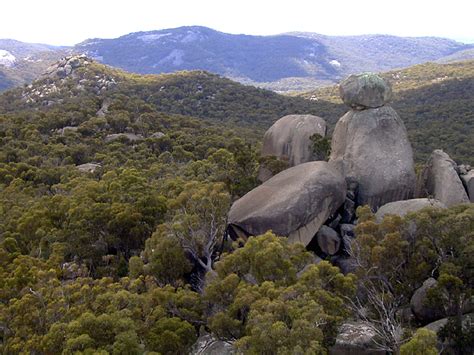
[
  {"x": 328, "y": 240},
  {"x": 441, "y": 180},
  {"x": 355, "y": 338},
  {"x": 157, "y": 135},
  {"x": 129, "y": 136},
  {"x": 423, "y": 312},
  {"x": 88, "y": 167},
  {"x": 289, "y": 139},
  {"x": 365, "y": 91},
  {"x": 401, "y": 208},
  {"x": 371, "y": 147},
  {"x": 468, "y": 180},
  {"x": 207, "y": 344},
  {"x": 294, "y": 203}
]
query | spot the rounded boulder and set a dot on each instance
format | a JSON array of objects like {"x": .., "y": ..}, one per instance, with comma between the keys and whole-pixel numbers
[
  {"x": 365, "y": 90},
  {"x": 289, "y": 140}
]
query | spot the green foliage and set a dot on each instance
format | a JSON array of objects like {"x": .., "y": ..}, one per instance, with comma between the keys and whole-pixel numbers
[
  {"x": 396, "y": 256},
  {"x": 459, "y": 334},
  {"x": 422, "y": 343},
  {"x": 264, "y": 296},
  {"x": 274, "y": 164},
  {"x": 171, "y": 336},
  {"x": 321, "y": 146}
]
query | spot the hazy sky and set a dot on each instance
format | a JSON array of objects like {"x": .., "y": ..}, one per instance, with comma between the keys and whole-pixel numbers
[{"x": 63, "y": 22}]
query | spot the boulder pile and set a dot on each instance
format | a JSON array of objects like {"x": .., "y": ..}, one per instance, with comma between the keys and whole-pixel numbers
[
  {"x": 65, "y": 78},
  {"x": 370, "y": 144},
  {"x": 371, "y": 163}
]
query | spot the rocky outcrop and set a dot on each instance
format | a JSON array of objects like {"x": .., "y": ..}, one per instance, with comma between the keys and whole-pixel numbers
[
  {"x": 88, "y": 167},
  {"x": 468, "y": 181},
  {"x": 365, "y": 90},
  {"x": 402, "y": 208},
  {"x": 66, "y": 78},
  {"x": 157, "y": 135},
  {"x": 294, "y": 203},
  {"x": 371, "y": 147},
  {"x": 207, "y": 344},
  {"x": 441, "y": 181},
  {"x": 128, "y": 136},
  {"x": 289, "y": 139},
  {"x": 419, "y": 303},
  {"x": 356, "y": 338}
]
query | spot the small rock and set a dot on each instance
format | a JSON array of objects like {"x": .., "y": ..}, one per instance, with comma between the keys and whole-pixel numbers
[{"x": 328, "y": 240}]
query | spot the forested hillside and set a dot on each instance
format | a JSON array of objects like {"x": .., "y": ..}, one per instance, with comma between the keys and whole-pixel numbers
[{"x": 114, "y": 193}]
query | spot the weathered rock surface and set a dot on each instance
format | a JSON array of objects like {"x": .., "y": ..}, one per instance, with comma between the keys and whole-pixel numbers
[
  {"x": 468, "y": 181},
  {"x": 418, "y": 303},
  {"x": 328, "y": 240},
  {"x": 209, "y": 345},
  {"x": 289, "y": 139},
  {"x": 440, "y": 323},
  {"x": 365, "y": 90},
  {"x": 356, "y": 338},
  {"x": 441, "y": 180},
  {"x": 129, "y": 136},
  {"x": 294, "y": 203},
  {"x": 371, "y": 147},
  {"x": 157, "y": 135},
  {"x": 402, "y": 208},
  {"x": 88, "y": 167}
]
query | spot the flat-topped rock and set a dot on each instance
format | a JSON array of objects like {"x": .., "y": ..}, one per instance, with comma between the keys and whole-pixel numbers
[
  {"x": 294, "y": 203},
  {"x": 402, "y": 208},
  {"x": 365, "y": 90}
]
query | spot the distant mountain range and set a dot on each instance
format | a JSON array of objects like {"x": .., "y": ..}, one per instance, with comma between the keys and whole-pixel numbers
[{"x": 289, "y": 62}]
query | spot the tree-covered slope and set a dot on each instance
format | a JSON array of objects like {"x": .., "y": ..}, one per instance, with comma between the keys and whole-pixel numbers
[{"x": 113, "y": 206}]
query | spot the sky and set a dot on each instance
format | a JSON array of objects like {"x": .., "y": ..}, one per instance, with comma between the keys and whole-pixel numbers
[{"x": 62, "y": 22}]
